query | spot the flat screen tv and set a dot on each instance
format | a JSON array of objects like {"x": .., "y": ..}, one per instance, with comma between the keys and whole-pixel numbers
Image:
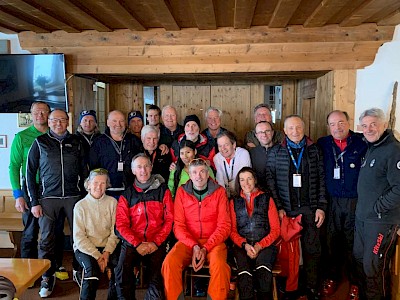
[{"x": 25, "y": 78}]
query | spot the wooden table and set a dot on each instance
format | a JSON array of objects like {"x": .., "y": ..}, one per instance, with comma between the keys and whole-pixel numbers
[{"x": 23, "y": 272}]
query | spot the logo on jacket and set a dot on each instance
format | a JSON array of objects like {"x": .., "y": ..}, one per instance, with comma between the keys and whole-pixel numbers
[
  {"x": 398, "y": 165},
  {"x": 371, "y": 164}
]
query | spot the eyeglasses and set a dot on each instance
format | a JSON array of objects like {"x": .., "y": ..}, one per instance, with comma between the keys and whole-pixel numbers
[
  {"x": 55, "y": 120},
  {"x": 198, "y": 162},
  {"x": 268, "y": 131}
]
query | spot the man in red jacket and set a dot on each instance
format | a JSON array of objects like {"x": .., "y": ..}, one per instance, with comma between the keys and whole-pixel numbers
[
  {"x": 143, "y": 221},
  {"x": 201, "y": 225}
]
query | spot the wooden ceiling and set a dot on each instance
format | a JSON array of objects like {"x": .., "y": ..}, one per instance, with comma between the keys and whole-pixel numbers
[{"x": 73, "y": 16}]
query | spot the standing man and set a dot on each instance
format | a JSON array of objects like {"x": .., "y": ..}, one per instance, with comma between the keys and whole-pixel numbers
[
  {"x": 59, "y": 158},
  {"x": 264, "y": 133},
  {"x": 135, "y": 122},
  {"x": 201, "y": 224},
  {"x": 378, "y": 207},
  {"x": 213, "y": 119},
  {"x": 261, "y": 113},
  {"x": 170, "y": 129},
  {"x": 87, "y": 130},
  {"x": 143, "y": 221},
  {"x": 153, "y": 115},
  {"x": 343, "y": 152},
  {"x": 114, "y": 151},
  {"x": 18, "y": 159},
  {"x": 296, "y": 179}
]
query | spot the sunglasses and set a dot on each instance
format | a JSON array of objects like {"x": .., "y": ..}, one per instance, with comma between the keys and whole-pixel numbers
[
  {"x": 99, "y": 171},
  {"x": 198, "y": 162}
]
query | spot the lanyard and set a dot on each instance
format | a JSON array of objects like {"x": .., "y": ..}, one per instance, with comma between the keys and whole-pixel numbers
[
  {"x": 338, "y": 157},
  {"x": 117, "y": 147},
  {"x": 152, "y": 156},
  {"x": 226, "y": 171},
  {"x": 298, "y": 162}
]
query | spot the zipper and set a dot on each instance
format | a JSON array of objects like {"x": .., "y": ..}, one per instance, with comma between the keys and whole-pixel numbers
[
  {"x": 62, "y": 169},
  {"x": 201, "y": 228},
  {"x": 147, "y": 220}
]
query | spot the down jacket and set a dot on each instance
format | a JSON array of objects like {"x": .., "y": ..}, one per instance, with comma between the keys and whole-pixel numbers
[
  {"x": 279, "y": 177},
  {"x": 207, "y": 219},
  {"x": 145, "y": 215}
]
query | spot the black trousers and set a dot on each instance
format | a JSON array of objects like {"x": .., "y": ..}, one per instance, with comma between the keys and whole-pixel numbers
[
  {"x": 340, "y": 238},
  {"x": 53, "y": 208},
  {"x": 374, "y": 245},
  {"x": 92, "y": 273},
  {"x": 30, "y": 234},
  {"x": 125, "y": 280},
  {"x": 255, "y": 274}
]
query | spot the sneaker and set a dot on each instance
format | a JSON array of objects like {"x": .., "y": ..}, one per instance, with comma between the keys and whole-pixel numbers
[
  {"x": 353, "y": 293},
  {"x": 47, "y": 286},
  {"x": 62, "y": 273},
  {"x": 77, "y": 277},
  {"x": 329, "y": 287}
]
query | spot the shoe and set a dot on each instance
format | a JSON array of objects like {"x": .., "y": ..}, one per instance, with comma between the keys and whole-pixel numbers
[
  {"x": 62, "y": 273},
  {"x": 329, "y": 287},
  {"x": 47, "y": 286},
  {"x": 77, "y": 277},
  {"x": 199, "y": 293},
  {"x": 353, "y": 293}
]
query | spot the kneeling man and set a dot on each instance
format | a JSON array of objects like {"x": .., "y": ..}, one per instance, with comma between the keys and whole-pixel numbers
[{"x": 201, "y": 225}]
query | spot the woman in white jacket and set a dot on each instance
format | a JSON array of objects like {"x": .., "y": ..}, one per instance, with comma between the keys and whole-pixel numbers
[{"x": 93, "y": 232}]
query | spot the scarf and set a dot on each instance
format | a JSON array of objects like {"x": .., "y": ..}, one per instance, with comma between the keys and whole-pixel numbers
[{"x": 294, "y": 145}]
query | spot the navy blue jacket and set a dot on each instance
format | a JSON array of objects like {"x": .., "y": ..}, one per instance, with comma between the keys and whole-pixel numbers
[{"x": 345, "y": 187}]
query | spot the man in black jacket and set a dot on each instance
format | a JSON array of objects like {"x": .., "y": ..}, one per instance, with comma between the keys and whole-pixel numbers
[
  {"x": 59, "y": 158},
  {"x": 378, "y": 207},
  {"x": 295, "y": 176}
]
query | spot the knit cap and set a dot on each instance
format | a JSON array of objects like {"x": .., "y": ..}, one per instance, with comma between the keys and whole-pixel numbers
[
  {"x": 134, "y": 114},
  {"x": 85, "y": 113},
  {"x": 193, "y": 118}
]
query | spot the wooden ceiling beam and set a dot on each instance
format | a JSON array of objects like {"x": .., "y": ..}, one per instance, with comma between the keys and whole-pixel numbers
[
  {"x": 70, "y": 11},
  {"x": 244, "y": 12},
  {"x": 283, "y": 12},
  {"x": 391, "y": 20},
  {"x": 115, "y": 10},
  {"x": 163, "y": 14},
  {"x": 19, "y": 24},
  {"x": 367, "y": 10},
  {"x": 7, "y": 30},
  {"x": 325, "y": 11},
  {"x": 39, "y": 15},
  {"x": 204, "y": 14}
]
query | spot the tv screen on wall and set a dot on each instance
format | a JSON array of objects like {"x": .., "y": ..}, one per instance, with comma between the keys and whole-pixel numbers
[{"x": 25, "y": 78}]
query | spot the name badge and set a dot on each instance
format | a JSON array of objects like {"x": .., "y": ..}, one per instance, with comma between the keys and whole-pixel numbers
[
  {"x": 336, "y": 173},
  {"x": 120, "y": 166},
  {"x": 296, "y": 180}
]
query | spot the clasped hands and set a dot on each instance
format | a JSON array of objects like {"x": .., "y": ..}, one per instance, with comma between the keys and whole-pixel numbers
[
  {"x": 103, "y": 260},
  {"x": 252, "y": 251},
  {"x": 146, "y": 248},
  {"x": 198, "y": 257}
]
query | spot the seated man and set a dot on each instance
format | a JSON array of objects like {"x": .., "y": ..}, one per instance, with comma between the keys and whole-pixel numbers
[
  {"x": 143, "y": 221},
  {"x": 202, "y": 223}
]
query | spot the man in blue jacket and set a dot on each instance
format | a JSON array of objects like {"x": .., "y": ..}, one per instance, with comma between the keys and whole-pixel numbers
[
  {"x": 343, "y": 152},
  {"x": 378, "y": 207}
]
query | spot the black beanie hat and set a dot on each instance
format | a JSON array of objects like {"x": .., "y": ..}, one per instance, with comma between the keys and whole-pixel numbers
[{"x": 193, "y": 118}]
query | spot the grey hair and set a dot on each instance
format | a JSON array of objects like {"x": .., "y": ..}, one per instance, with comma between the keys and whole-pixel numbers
[
  {"x": 149, "y": 128},
  {"x": 373, "y": 112},
  {"x": 261, "y": 105},
  {"x": 211, "y": 108},
  {"x": 93, "y": 174},
  {"x": 137, "y": 156},
  {"x": 167, "y": 107},
  {"x": 293, "y": 116}
]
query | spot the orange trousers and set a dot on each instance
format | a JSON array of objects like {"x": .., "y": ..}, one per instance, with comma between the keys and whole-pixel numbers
[{"x": 180, "y": 257}]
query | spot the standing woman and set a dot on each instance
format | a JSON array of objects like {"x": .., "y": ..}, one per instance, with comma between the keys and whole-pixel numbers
[
  {"x": 255, "y": 227},
  {"x": 94, "y": 238},
  {"x": 179, "y": 176}
]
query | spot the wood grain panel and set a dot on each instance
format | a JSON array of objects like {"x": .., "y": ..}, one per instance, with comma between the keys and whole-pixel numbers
[
  {"x": 204, "y": 14},
  {"x": 235, "y": 103},
  {"x": 126, "y": 97},
  {"x": 244, "y": 11},
  {"x": 284, "y": 11},
  {"x": 83, "y": 95}
]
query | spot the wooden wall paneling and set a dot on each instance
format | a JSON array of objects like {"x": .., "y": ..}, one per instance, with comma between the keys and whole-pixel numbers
[
  {"x": 235, "y": 102},
  {"x": 191, "y": 99},
  {"x": 165, "y": 94},
  {"x": 344, "y": 93},
  {"x": 323, "y": 98},
  {"x": 84, "y": 98},
  {"x": 126, "y": 97},
  {"x": 306, "y": 114},
  {"x": 288, "y": 101}
]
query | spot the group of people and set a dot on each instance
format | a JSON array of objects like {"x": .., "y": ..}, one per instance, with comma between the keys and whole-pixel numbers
[{"x": 136, "y": 190}]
